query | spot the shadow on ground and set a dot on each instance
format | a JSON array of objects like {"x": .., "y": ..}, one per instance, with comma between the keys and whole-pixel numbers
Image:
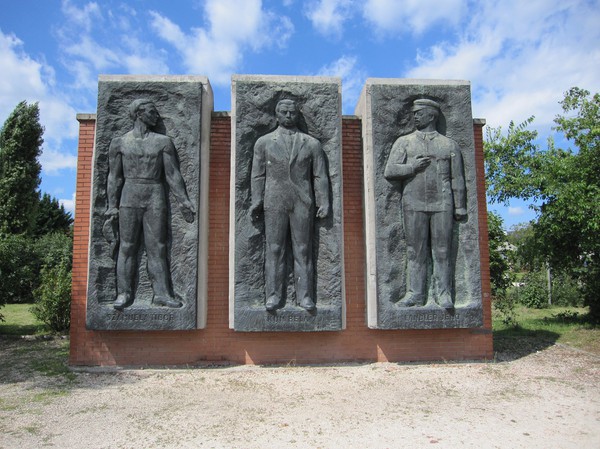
[
  {"x": 42, "y": 362},
  {"x": 513, "y": 344},
  {"x": 20, "y": 329},
  {"x": 23, "y": 358}
]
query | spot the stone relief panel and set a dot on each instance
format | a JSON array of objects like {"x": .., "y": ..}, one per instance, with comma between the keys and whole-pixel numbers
[
  {"x": 147, "y": 248},
  {"x": 286, "y": 207},
  {"x": 422, "y": 230}
]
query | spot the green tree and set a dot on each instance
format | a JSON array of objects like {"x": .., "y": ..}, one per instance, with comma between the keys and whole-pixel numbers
[
  {"x": 35, "y": 243},
  {"x": 51, "y": 216},
  {"x": 53, "y": 297},
  {"x": 53, "y": 249},
  {"x": 500, "y": 273},
  {"x": 53, "y": 292},
  {"x": 526, "y": 256},
  {"x": 564, "y": 185},
  {"x": 20, "y": 147},
  {"x": 499, "y": 255},
  {"x": 19, "y": 269},
  {"x": 22, "y": 260}
]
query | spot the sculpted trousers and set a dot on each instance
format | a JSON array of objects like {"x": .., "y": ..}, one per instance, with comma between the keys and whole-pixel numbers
[
  {"x": 152, "y": 224},
  {"x": 279, "y": 223},
  {"x": 428, "y": 233}
]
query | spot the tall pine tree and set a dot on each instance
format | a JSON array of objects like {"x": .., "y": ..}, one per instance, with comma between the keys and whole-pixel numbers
[
  {"x": 51, "y": 216},
  {"x": 20, "y": 147}
]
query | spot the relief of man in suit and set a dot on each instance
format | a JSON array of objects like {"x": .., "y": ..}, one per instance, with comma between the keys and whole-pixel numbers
[{"x": 290, "y": 185}]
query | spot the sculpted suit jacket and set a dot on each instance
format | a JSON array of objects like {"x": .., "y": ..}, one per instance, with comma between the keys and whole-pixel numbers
[
  {"x": 441, "y": 186},
  {"x": 289, "y": 172}
]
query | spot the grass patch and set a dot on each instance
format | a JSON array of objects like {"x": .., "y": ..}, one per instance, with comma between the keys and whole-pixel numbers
[
  {"x": 46, "y": 397},
  {"x": 540, "y": 328},
  {"x": 18, "y": 320},
  {"x": 33, "y": 430},
  {"x": 5, "y": 406}
]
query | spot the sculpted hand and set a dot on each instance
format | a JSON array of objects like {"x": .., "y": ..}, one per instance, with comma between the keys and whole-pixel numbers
[
  {"x": 110, "y": 228},
  {"x": 421, "y": 163},
  {"x": 460, "y": 214},
  {"x": 255, "y": 210},
  {"x": 112, "y": 212},
  {"x": 322, "y": 211},
  {"x": 188, "y": 212}
]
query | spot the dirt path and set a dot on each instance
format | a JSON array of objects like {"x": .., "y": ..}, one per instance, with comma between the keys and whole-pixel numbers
[{"x": 548, "y": 399}]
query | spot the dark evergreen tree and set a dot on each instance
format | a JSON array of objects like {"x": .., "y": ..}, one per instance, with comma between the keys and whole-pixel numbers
[
  {"x": 51, "y": 216},
  {"x": 20, "y": 147}
]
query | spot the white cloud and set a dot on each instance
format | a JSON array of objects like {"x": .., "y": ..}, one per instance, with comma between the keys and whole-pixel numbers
[
  {"x": 54, "y": 160},
  {"x": 520, "y": 57},
  {"x": 24, "y": 78},
  {"x": 21, "y": 75},
  {"x": 218, "y": 49},
  {"x": 141, "y": 57},
  {"x": 95, "y": 41},
  {"x": 412, "y": 16},
  {"x": 353, "y": 78},
  {"x": 88, "y": 50},
  {"x": 328, "y": 16},
  {"x": 515, "y": 211},
  {"x": 69, "y": 204},
  {"x": 84, "y": 16}
]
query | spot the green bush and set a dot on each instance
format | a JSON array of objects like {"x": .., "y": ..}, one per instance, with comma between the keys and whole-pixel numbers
[
  {"x": 591, "y": 291},
  {"x": 21, "y": 260},
  {"x": 54, "y": 249},
  {"x": 504, "y": 303},
  {"x": 534, "y": 292},
  {"x": 566, "y": 291},
  {"x": 53, "y": 297},
  {"x": 18, "y": 269}
]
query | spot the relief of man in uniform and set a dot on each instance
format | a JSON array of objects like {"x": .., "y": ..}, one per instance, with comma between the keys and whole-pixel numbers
[
  {"x": 290, "y": 185},
  {"x": 141, "y": 164},
  {"x": 429, "y": 166}
]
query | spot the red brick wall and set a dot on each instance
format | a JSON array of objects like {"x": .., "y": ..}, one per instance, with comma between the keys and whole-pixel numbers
[
  {"x": 219, "y": 343},
  {"x": 483, "y": 227}
]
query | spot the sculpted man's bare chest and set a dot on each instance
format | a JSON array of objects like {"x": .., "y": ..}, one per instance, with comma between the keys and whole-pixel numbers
[{"x": 142, "y": 158}]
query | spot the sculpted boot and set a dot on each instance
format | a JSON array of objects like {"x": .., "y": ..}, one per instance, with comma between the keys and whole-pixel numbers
[
  {"x": 411, "y": 299},
  {"x": 445, "y": 300},
  {"x": 167, "y": 302},
  {"x": 123, "y": 300},
  {"x": 307, "y": 304},
  {"x": 272, "y": 303}
]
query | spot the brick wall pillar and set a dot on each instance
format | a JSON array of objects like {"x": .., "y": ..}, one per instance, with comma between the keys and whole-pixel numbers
[
  {"x": 216, "y": 342},
  {"x": 81, "y": 229}
]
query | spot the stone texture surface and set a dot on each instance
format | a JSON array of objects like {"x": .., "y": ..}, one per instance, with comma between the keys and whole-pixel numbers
[
  {"x": 253, "y": 115},
  {"x": 179, "y": 100},
  {"x": 385, "y": 108}
]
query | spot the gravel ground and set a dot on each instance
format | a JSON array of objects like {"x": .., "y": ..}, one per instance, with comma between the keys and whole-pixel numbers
[{"x": 546, "y": 399}]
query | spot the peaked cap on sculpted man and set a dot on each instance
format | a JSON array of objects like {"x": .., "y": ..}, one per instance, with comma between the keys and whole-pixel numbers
[
  {"x": 430, "y": 167},
  {"x": 139, "y": 164},
  {"x": 290, "y": 184}
]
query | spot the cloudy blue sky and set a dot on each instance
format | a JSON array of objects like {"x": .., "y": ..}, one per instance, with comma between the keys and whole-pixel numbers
[{"x": 520, "y": 56}]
